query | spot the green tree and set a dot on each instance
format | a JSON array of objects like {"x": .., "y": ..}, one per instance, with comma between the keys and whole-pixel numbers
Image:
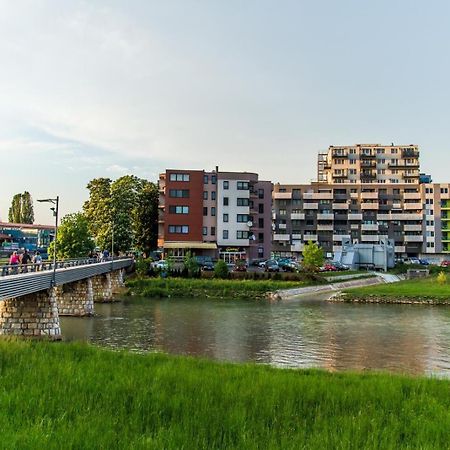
[
  {"x": 221, "y": 269},
  {"x": 21, "y": 210},
  {"x": 74, "y": 239},
  {"x": 191, "y": 265},
  {"x": 313, "y": 257}
]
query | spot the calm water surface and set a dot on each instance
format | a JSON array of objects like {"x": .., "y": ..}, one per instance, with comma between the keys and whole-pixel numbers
[{"x": 299, "y": 333}]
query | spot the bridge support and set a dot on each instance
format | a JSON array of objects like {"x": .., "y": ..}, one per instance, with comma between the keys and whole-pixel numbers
[
  {"x": 104, "y": 286},
  {"x": 35, "y": 315},
  {"x": 75, "y": 299}
]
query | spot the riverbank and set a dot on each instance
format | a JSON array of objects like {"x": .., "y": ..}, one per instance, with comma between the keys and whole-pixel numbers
[
  {"x": 78, "y": 396},
  {"x": 416, "y": 291},
  {"x": 208, "y": 288}
]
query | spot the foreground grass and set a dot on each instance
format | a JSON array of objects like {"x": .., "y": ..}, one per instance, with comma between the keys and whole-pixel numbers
[
  {"x": 76, "y": 396},
  {"x": 186, "y": 287},
  {"x": 422, "y": 289}
]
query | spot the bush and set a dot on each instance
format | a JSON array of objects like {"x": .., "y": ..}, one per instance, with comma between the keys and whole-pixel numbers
[
  {"x": 143, "y": 266},
  {"x": 441, "y": 278},
  {"x": 221, "y": 269}
]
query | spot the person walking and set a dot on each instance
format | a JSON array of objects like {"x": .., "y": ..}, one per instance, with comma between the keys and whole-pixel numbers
[
  {"x": 14, "y": 261},
  {"x": 37, "y": 259},
  {"x": 25, "y": 260}
]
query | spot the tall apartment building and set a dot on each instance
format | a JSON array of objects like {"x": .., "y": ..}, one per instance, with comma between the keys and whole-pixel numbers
[
  {"x": 436, "y": 202},
  {"x": 364, "y": 193},
  {"x": 369, "y": 163},
  {"x": 219, "y": 214}
]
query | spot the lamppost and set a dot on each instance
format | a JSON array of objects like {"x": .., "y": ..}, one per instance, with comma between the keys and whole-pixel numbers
[
  {"x": 55, "y": 209},
  {"x": 112, "y": 245}
]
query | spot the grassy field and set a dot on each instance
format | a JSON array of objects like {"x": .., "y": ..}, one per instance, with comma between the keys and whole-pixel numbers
[
  {"x": 213, "y": 288},
  {"x": 418, "y": 289},
  {"x": 73, "y": 396}
]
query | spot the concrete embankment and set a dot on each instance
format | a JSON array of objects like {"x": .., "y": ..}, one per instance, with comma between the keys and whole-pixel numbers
[{"x": 290, "y": 293}]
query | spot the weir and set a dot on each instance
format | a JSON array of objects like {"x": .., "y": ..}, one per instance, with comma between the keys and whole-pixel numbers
[{"x": 31, "y": 303}]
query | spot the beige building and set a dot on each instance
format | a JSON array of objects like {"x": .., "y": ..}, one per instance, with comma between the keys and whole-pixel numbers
[{"x": 369, "y": 163}]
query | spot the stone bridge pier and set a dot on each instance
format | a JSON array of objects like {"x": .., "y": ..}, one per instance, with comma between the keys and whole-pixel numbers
[{"x": 37, "y": 315}]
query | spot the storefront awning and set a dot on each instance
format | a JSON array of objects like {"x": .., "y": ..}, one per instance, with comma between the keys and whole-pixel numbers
[{"x": 196, "y": 245}]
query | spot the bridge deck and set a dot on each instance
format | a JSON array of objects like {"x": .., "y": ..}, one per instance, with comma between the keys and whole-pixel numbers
[{"x": 28, "y": 283}]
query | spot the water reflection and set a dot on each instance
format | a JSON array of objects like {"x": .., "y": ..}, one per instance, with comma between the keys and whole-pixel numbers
[{"x": 300, "y": 333}]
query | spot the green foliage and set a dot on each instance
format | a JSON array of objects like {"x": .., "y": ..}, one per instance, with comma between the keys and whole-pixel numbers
[
  {"x": 313, "y": 257},
  {"x": 221, "y": 269},
  {"x": 74, "y": 239},
  {"x": 143, "y": 266},
  {"x": 191, "y": 265},
  {"x": 441, "y": 278},
  {"x": 88, "y": 397},
  {"x": 21, "y": 210}
]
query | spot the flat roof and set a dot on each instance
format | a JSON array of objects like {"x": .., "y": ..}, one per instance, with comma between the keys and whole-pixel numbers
[{"x": 27, "y": 226}]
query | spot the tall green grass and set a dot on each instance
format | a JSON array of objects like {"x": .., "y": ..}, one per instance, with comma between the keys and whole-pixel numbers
[
  {"x": 72, "y": 396},
  {"x": 416, "y": 289},
  {"x": 192, "y": 287}
]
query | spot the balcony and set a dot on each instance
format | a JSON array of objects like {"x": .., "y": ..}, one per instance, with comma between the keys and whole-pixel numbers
[
  {"x": 297, "y": 247},
  {"x": 355, "y": 217},
  {"x": 370, "y": 238},
  {"x": 368, "y": 164},
  {"x": 324, "y": 227},
  {"x": 410, "y": 153},
  {"x": 400, "y": 249},
  {"x": 369, "y": 195},
  {"x": 340, "y": 237},
  {"x": 366, "y": 156},
  {"x": 297, "y": 216},
  {"x": 412, "y": 196},
  {"x": 282, "y": 195},
  {"x": 405, "y": 216},
  {"x": 282, "y": 237},
  {"x": 310, "y": 206},
  {"x": 413, "y": 228},
  {"x": 296, "y": 237},
  {"x": 369, "y": 227},
  {"x": 411, "y": 174},
  {"x": 371, "y": 206},
  {"x": 409, "y": 206},
  {"x": 310, "y": 237},
  {"x": 413, "y": 238},
  {"x": 282, "y": 226},
  {"x": 318, "y": 196},
  {"x": 384, "y": 217},
  {"x": 340, "y": 206},
  {"x": 340, "y": 174},
  {"x": 325, "y": 216}
]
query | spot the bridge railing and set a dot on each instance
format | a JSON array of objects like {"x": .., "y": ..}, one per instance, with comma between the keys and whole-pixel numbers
[{"x": 16, "y": 269}]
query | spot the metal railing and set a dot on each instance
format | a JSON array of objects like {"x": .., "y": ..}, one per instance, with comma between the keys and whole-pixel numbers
[{"x": 67, "y": 271}]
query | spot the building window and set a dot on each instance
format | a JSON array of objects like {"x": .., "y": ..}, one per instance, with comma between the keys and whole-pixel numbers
[
  {"x": 213, "y": 195},
  {"x": 213, "y": 179},
  {"x": 205, "y": 195},
  {"x": 226, "y": 184},
  {"x": 213, "y": 211},
  {"x": 242, "y": 185},
  {"x": 225, "y": 234},
  {"x": 205, "y": 179},
  {"x": 178, "y": 209},
  {"x": 225, "y": 217},
  {"x": 241, "y": 234},
  {"x": 261, "y": 238},
  {"x": 282, "y": 212},
  {"x": 178, "y": 229},
  {"x": 205, "y": 231},
  {"x": 243, "y": 202},
  {"x": 213, "y": 231},
  {"x": 260, "y": 193},
  {"x": 225, "y": 201},
  {"x": 261, "y": 208},
  {"x": 179, "y": 177},
  {"x": 179, "y": 193},
  {"x": 242, "y": 218},
  {"x": 260, "y": 222},
  {"x": 205, "y": 210}
]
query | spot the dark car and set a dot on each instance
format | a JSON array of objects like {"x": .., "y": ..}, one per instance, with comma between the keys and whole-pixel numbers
[
  {"x": 207, "y": 266},
  {"x": 339, "y": 266},
  {"x": 271, "y": 266}
]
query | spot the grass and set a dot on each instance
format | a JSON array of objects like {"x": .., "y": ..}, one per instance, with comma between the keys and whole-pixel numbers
[
  {"x": 216, "y": 288},
  {"x": 421, "y": 289},
  {"x": 74, "y": 396}
]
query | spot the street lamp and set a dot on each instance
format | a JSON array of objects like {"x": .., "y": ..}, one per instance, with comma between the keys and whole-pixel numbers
[{"x": 55, "y": 209}]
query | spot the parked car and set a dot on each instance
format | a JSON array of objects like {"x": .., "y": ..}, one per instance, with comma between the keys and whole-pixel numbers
[
  {"x": 271, "y": 266},
  {"x": 240, "y": 265},
  {"x": 285, "y": 263},
  {"x": 207, "y": 266},
  {"x": 161, "y": 264},
  {"x": 412, "y": 261},
  {"x": 445, "y": 263},
  {"x": 262, "y": 264},
  {"x": 292, "y": 266},
  {"x": 339, "y": 266},
  {"x": 328, "y": 267},
  {"x": 424, "y": 262}
]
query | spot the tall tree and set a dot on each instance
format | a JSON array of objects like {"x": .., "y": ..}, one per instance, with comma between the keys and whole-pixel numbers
[
  {"x": 313, "y": 257},
  {"x": 74, "y": 239},
  {"x": 21, "y": 210},
  {"x": 146, "y": 217}
]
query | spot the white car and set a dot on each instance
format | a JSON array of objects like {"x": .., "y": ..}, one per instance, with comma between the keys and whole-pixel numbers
[{"x": 161, "y": 264}]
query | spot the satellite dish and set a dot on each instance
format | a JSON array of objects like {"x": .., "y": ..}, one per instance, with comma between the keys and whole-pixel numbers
[{"x": 249, "y": 223}]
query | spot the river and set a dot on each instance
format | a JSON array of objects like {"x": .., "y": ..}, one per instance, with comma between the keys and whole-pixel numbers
[{"x": 299, "y": 333}]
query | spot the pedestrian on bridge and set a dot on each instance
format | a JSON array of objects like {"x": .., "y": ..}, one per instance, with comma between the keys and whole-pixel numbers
[
  {"x": 14, "y": 261},
  {"x": 25, "y": 260}
]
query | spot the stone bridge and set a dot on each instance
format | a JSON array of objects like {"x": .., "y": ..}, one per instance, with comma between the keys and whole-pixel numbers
[{"x": 32, "y": 302}]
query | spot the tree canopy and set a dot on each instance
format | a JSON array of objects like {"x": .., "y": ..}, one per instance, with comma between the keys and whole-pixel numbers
[
  {"x": 21, "y": 210},
  {"x": 313, "y": 257}
]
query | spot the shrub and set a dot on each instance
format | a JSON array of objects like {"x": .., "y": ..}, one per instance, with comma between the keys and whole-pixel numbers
[
  {"x": 221, "y": 269},
  {"x": 442, "y": 278},
  {"x": 191, "y": 265},
  {"x": 143, "y": 266},
  {"x": 313, "y": 257}
]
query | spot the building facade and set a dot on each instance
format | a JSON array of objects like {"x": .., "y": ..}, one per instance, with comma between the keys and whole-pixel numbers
[{"x": 223, "y": 215}]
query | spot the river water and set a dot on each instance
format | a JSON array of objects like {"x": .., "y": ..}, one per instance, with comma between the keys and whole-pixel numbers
[{"x": 300, "y": 333}]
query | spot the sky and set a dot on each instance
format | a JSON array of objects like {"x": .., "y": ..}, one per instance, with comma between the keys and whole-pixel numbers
[{"x": 106, "y": 88}]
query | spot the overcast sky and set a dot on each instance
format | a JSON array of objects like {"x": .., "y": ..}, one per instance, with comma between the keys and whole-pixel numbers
[{"x": 104, "y": 88}]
